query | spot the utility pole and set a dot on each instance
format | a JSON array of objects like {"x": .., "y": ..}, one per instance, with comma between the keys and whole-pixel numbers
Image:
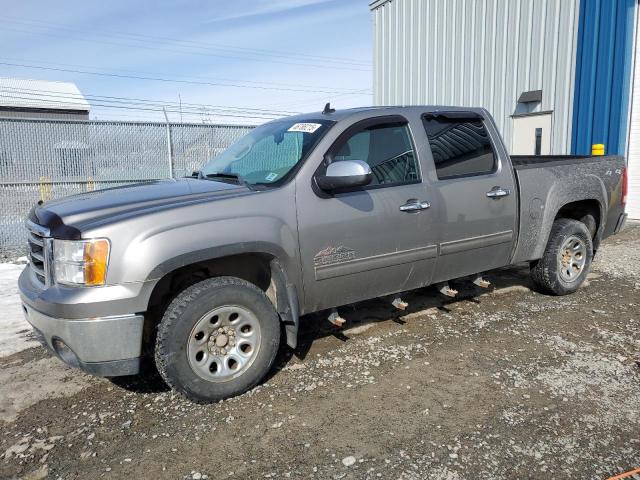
[{"x": 169, "y": 142}]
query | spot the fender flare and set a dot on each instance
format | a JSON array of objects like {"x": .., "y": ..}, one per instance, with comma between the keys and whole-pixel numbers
[
  {"x": 286, "y": 298},
  {"x": 212, "y": 253},
  {"x": 594, "y": 191}
]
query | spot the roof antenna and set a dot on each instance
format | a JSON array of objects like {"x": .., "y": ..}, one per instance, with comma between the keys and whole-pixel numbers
[{"x": 327, "y": 109}]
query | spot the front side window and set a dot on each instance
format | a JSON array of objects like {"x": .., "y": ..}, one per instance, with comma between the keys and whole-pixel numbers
[
  {"x": 268, "y": 153},
  {"x": 388, "y": 150},
  {"x": 460, "y": 147}
]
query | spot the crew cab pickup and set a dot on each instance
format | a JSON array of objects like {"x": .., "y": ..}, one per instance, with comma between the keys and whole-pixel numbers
[{"x": 303, "y": 214}]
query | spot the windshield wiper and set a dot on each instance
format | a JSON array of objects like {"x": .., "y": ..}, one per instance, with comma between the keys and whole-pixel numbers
[
  {"x": 234, "y": 176},
  {"x": 226, "y": 176}
]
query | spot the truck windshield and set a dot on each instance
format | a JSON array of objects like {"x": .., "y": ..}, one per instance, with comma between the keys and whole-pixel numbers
[{"x": 268, "y": 153}]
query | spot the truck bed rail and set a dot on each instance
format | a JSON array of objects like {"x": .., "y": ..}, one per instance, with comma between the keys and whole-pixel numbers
[{"x": 532, "y": 161}]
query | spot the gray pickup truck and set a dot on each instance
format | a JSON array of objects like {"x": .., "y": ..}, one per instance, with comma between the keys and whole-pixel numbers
[{"x": 206, "y": 274}]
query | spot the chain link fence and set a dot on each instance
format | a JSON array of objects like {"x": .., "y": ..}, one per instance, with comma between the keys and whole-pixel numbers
[{"x": 47, "y": 159}]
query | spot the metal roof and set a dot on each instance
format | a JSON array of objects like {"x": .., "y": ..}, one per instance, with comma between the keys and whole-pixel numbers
[{"x": 41, "y": 94}]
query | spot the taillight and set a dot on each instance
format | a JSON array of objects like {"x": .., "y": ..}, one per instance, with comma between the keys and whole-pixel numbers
[{"x": 625, "y": 186}]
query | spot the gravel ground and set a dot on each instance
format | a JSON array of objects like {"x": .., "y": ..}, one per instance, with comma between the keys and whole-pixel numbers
[{"x": 500, "y": 384}]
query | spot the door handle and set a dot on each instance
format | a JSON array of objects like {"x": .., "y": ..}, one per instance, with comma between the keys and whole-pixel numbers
[
  {"x": 414, "y": 206},
  {"x": 498, "y": 192}
]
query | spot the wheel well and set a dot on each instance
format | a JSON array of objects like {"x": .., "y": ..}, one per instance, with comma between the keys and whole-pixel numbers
[
  {"x": 586, "y": 211},
  {"x": 261, "y": 269},
  {"x": 252, "y": 267}
]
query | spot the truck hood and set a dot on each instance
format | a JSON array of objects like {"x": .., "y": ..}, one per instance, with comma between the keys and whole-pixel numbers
[{"x": 67, "y": 217}]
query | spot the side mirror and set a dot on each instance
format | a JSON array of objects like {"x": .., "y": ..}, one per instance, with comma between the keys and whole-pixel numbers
[{"x": 345, "y": 174}]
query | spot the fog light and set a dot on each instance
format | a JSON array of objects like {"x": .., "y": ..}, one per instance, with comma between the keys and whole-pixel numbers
[{"x": 65, "y": 353}]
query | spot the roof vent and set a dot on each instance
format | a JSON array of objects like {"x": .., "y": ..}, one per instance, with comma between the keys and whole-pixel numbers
[
  {"x": 531, "y": 97},
  {"x": 529, "y": 103}
]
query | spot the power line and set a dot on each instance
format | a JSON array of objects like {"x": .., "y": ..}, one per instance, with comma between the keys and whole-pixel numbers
[
  {"x": 199, "y": 108},
  {"x": 109, "y": 115},
  {"x": 130, "y": 103},
  {"x": 206, "y": 54},
  {"x": 324, "y": 98},
  {"x": 125, "y": 107},
  {"x": 107, "y": 98},
  {"x": 159, "y": 79},
  {"x": 158, "y": 117},
  {"x": 197, "y": 44},
  {"x": 51, "y": 100},
  {"x": 212, "y": 79},
  {"x": 159, "y": 110}
]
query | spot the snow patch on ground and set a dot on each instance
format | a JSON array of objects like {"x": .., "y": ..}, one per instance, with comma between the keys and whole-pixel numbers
[
  {"x": 27, "y": 384},
  {"x": 15, "y": 332}
]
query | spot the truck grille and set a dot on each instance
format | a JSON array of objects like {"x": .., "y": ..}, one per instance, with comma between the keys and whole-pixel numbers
[{"x": 37, "y": 239}]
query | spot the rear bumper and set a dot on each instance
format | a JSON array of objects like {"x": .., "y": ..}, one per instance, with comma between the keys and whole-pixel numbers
[
  {"x": 103, "y": 346},
  {"x": 622, "y": 221}
]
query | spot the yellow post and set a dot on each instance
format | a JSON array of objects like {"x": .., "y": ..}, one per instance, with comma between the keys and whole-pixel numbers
[
  {"x": 46, "y": 190},
  {"x": 597, "y": 149}
]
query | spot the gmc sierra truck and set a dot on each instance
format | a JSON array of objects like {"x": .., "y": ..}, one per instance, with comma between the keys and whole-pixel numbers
[{"x": 205, "y": 274}]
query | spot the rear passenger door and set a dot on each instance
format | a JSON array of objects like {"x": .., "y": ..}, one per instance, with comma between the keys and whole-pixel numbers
[{"x": 474, "y": 188}]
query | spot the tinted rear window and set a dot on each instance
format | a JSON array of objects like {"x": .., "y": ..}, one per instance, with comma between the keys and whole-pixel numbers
[{"x": 460, "y": 147}]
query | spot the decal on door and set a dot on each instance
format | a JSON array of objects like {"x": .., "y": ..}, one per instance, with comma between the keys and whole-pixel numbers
[
  {"x": 338, "y": 261},
  {"x": 331, "y": 255}
]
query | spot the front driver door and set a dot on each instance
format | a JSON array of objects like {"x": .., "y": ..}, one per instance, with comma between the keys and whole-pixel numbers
[{"x": 371, "y": 241}]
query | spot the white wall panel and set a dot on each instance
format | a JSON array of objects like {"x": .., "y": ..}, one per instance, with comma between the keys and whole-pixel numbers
[
  {"x": 633, "y": 201},
  {"x": 478, "y": 53}
]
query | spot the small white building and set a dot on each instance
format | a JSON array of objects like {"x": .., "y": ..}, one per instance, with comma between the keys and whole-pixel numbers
[{"x": 41, "y": 99}]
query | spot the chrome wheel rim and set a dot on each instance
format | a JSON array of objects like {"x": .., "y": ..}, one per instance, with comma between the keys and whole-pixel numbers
[
  {"x": 572, "y": 258},
  {"x": 224, "y": 343}
]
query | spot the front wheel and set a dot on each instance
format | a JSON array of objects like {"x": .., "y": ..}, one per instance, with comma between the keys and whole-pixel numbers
[
  {"x": 217, "y": 339},
  {"x": 566, "y": 260}
]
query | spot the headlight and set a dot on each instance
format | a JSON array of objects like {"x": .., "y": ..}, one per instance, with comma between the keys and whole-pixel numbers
[{"x": 80, "y": 262}]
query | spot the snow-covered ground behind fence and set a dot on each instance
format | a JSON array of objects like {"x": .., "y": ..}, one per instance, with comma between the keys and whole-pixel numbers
[{"x": 15, "y": 332}]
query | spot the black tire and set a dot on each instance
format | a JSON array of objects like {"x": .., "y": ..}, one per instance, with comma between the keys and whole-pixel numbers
[
  {"x": 546, "y": 272},
  {"x": 183, "y": 314}
]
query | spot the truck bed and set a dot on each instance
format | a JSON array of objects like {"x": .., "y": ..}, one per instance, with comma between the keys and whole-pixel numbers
[
  {"x": 546, "y": 183},
  {"x": 534, "y": 161}
]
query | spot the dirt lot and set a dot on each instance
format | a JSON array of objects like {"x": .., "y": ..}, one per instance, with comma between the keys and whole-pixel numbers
[{"x": 507, "y": 384}]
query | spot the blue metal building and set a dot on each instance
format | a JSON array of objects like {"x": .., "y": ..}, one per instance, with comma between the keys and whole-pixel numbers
[
  {"x": 604, "y": 78},
  {"x": 558, "y": 75}
]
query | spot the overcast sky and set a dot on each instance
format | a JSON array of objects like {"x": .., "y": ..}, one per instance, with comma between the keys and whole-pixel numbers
[{"x": 294, "y": 54}]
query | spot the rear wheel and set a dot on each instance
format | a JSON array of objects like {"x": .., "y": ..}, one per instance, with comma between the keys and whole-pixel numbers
[
  {"x": 566, "y": 260},
  {"x": 217, "y": 339}
]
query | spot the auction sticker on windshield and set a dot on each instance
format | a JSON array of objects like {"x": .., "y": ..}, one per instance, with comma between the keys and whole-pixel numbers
[{"x": 305, "y": 127}]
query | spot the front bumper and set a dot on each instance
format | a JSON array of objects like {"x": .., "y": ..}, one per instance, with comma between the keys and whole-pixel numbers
[
  {"x": 103, "y": 346},
  {"x": 62, "y": 301}
]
